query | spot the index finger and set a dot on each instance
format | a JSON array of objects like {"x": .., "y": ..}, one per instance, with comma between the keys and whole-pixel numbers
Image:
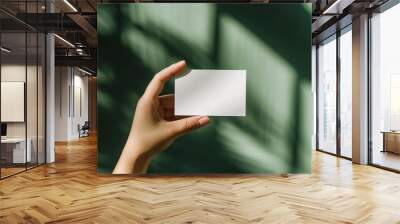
[{"x": 156, "y": 85}]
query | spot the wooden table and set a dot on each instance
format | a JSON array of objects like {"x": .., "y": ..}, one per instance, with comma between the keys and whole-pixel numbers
[
  {"x": 391, "y": 141},
  {"x": 13, "y": 150}
]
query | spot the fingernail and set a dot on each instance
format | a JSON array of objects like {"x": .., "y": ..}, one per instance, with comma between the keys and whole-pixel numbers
[
  {"x": 204, "y": 120},
  {"x": 180, "y": 62}
]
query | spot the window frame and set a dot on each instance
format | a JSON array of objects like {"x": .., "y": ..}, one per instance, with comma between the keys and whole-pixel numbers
[{"x": 334, "y": 37}]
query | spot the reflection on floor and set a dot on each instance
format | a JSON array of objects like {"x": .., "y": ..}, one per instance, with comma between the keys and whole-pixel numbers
[
  {"x": 10, "y": 171},
  {"x": 71, "y": 191},
  {"x": 13, "y": 169},
  {"x": 387, "y": 159},
  {"x": 346, "y": 152}
]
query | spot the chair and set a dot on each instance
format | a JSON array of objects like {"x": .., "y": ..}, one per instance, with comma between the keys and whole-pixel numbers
[{"x": 84, "y": 130}]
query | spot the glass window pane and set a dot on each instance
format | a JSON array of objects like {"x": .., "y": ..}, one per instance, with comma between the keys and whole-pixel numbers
[
  {"x": 14, "y": 153},
  {"x": 314, "y": 92},
  {"x": 327, "y": 96},
  {"x": 346, "y": 94},
  {"x": 32, "y": 90},
  {"x": 386, "y": 89},
  {"x": 31, "y": 97},
  {"x": 22, "y": 90},
  {"x": 41, "y": 98}
]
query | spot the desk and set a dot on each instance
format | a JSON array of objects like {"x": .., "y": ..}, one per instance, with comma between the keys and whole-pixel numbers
[
  {"x": 391, "y": 141},
  {"x": 13, "y": 150}
]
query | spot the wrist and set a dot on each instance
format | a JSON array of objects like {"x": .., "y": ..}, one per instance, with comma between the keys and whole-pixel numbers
[
  {"x": 132, "y": 151},
  {"x": 136, "y": 156}
]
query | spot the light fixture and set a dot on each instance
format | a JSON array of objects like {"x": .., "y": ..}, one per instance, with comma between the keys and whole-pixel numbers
[
  {"x": 329, "y": 9},
  {"x": 5, "y": 50},
  {"x": 80, "y": 51},
  {"x": 84, "y": 71},
  {"x": 70, "y": 5},
  {"x": 65, "y": 41}
]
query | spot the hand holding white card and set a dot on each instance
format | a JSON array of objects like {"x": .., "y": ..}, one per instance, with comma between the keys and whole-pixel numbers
[{"x": 211, "y": 92}]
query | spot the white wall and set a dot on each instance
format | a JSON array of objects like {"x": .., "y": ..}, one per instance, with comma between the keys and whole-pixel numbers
[
  {"x": 62, "y": 81},
  {"x": 16, "y": 73},
  {"x": 9, "y": 73},
  {"x": 80, "y": 85},
  {"x": 71, "y": 92},
  {"x": 33, "y": 127}
]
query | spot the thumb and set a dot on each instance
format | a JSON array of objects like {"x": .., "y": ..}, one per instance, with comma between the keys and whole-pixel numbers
[{"x": 186, "y": 125}]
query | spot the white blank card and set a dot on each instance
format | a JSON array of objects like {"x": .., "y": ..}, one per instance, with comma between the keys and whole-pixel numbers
[{"x": 211, "y": 92}]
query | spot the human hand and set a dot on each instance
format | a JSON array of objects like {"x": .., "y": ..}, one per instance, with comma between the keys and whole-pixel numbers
[{"x": 154, "y": 125}]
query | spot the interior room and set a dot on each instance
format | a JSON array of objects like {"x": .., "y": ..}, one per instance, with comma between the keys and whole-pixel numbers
[
  {"x": 50, "y": 86},
  {"x": 22, "y": 101},
  {"x": 385, "y": 90}
]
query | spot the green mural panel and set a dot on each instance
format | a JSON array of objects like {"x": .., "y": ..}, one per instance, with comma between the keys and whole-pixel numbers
[{"x": 271, "y": 41}]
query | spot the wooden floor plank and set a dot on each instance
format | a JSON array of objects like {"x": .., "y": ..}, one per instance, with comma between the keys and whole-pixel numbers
[{"x": 70, "y": 191}]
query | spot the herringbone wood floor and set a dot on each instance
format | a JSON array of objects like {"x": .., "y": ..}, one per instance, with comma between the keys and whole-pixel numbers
[{"x": 70, "y": 191}]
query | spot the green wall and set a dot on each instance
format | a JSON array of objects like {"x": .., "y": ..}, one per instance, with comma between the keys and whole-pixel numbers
[{"x": 271, "y": 41}]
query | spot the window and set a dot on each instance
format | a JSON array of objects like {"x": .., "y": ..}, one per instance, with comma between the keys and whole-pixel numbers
[
  {"x": 346, "y": 92},
  {"x": 327, "y": 95},
  {"x": 22, "y": 78},
  {"x": 385, "y": 89},
  {"x": 330, "y": 134}
]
